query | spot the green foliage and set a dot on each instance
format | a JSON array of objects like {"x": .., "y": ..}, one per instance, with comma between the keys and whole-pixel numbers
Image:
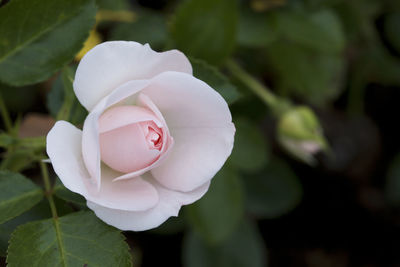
[
  {"x": 321, "y": 30},
  {"x": 17, "y": 160},
  {"x": 255, "y": 29},
  {"x": 19, "y": 194},
  {"x": 38, "y": 212},
  {"x": 244, "y": 248},
  {"x": 149, "y": 28},
  {"x": 214, "y": 78},
  {"x": 206, "y": 29},
  {"x": 67, "y": 195},
  {"x": 78, "y": 239},
  {"x": 218, "y": 213},
  {"x": 113, "y": 4},
  {"x": 61, "y": 100},
  {"x": 18, "y": 99},
  {"x": 45, "y": 35},
  {"x": 273, "y": 192},
  {"x": 316, "y": 77},
  {"x": 250, "y": 152}
]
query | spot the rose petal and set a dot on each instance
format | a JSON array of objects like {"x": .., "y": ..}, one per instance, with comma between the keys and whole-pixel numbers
[
  {"x": 168, "y": 141},
  {"x": 64, "y": 150},
  {"x": 169, "y": 205},
  {"x": 201, "y": 125},
  {"x": 110, "y": 64},
  {"x": 63, "y": 146},
  {"x": 124, "y": 115},
  {"x": 132, "y": 195},
  {"x": 198, "y": 154},
  {"x": 90, "y": 138},
  {"x": 186, "y": 101}
]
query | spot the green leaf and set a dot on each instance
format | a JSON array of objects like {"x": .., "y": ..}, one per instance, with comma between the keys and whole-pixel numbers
[
  {"x": 18, "y": 99},
  {"x": 151, "y": 28},
  {"x": 250, "y": 152},
  {"x": 78, "y": 239},
  {"x": 218, "y": 213},
  {"x": 61, "y": 100},
  {"x": 274, "y": 191},
  {"x": 244, "y": 248},
  {"x": 206, "y": 29},
  {"x": 17, "y": 160},
  {"x": 214, "y": 78},
  {"x": 321, "y": 30},
  {"x": 18, "y": 194},
  {"x": 62, "y": 192},
  {"x": 38, "y": 212},
  {"x": 312, "y": 76},
  {"x": 255, "y": 29},
  {"x": 113, "y": 4},
  {"x": 45, "y": 35}
]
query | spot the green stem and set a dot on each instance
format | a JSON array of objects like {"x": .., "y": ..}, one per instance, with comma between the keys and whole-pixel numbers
[
  {"x": 49, "y": 196},
  {"x": 276, "y": 104},
  {"x": 5, "y": 115},
  {"x": 48, "y": 189}
]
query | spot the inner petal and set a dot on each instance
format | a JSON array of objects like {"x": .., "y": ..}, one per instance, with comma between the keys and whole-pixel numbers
[{"x": 130, "y": 147}]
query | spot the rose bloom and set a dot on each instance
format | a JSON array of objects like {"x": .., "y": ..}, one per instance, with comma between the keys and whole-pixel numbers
[{"x": 154, "y": 137}]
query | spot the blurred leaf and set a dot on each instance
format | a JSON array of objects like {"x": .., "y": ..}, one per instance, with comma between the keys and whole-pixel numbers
[
  {"x": 18, "y": 99},
  {"x": 392, "y": 185},
  {"x": 150, "y": 28},
  {"x": 61, "y": 100},
  {"x": 172, "y": 226},
  {"x": 218, "y": 213},
  {"x": 38, "y": 212},
  {"x": 250, "y": 152},
  {"x": 6, "y": 140},
  {"x": 214, "y": 78},
  {"x": 78, "y": 239},
  {"x": 255, "y": 29},
  {"x": 244, "y": 248},
  {"x": 206, "y": 29},
  {"x": 315, "y": 77},
  {"x": 45, "y": 35},
  {"x": 17, "y": 160},
  {"x": 62, "y": 192},
  {"x": 113, "y": 4},
  {"x": 321, "y": 30},
  {"x": 18, "y": 194},
  {"x": 274, "y": 191}
]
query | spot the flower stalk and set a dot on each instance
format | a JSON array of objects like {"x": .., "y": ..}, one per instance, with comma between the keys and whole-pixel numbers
[
  {"x": 5, "y": 115},
  {"x": 48, "y": 188},
  {"x": 277, "y": 105}
]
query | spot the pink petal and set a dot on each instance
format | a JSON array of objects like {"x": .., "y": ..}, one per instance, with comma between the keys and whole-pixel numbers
[
  {"x": 125, "y": 115},
  {"x": 64, "y": 150},
  {"x": 90, "y": 138},
  {"x": 169, "y": 205},
  {"x": 201, "y": 125},
  {"x": 111, "y": 64},
  {"x": 145, "y": 101}
]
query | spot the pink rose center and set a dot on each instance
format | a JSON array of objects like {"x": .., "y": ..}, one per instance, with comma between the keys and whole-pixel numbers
[{"x": 131, "y": 138}]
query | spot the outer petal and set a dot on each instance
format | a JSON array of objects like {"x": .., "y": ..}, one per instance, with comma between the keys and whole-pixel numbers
[
  {"x": 169, "y": 205},
  {"x": 110, "y": 64},
  {"x": 201, "y": 125},
  {"x": 64, "y": 150}
]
